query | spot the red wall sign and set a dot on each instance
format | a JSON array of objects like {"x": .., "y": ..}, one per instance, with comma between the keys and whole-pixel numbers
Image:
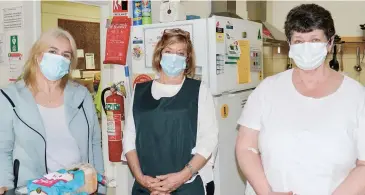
[
  {"x": 141, "y": 79},
  {"x": 120, "y": 8}
]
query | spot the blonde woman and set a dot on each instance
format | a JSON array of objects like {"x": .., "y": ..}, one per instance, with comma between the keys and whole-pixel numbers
[
  {"x": 171, "y": 130},
  {"x": 47, "y": 121}
]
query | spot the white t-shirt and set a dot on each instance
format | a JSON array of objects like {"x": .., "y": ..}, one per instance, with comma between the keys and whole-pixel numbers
[
  {"x": 62, "y": 149},
  {"x": 207, "y": 132},
  {"x": 308, "y": 146}
]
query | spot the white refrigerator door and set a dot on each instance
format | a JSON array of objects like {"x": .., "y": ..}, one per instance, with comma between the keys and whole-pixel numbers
[
  {"x": 145, "y": 37},
  {"x": 223, "y": 70},
  {"x": 227, "y": 177}
]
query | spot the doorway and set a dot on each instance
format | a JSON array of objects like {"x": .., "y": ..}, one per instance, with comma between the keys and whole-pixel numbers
[{"x": 82, "y": 21}]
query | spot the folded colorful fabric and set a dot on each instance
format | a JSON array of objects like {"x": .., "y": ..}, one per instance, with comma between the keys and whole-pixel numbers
[
  {"x": 81, "y": 179},
  {"x": 61, "y": 182}
]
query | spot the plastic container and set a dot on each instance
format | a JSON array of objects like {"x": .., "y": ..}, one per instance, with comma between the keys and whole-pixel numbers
[
  {"x": 146, "y": 12},
  {"x": 137, "y": 13}
]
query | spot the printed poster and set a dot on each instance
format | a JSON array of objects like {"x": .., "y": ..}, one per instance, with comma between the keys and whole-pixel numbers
[
  {"x": 13, "y": 18},
  {"x": 15, "y": 66}
]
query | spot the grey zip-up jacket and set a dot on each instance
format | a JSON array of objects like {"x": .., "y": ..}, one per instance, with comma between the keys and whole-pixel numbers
[{"x": 22, "y": 133}]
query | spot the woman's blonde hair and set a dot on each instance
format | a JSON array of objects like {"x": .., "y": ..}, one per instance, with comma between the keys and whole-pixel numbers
[
  {"x": 172, "y": 36},
  {"x": 41, "y": 45}
]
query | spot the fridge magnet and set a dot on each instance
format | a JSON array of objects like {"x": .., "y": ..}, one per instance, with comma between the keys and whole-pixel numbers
[
  {"x": 137, "y": 52},
  {"x": 244, "y": 35},
  {"x": 224, "y": 111},
  {"x": 229, "y": 25},
  {"x": 137, "y": 40},
  {"x": 141, "y": 78},
  {"x": 219, "y": 64},
  {"x": 233, "y": 51},
  {"x": 219, "y": 30},
  {"x": 259, "y": 35},
  {"x": 219, "y": 35},
  {"x": 255, "y": 60}
]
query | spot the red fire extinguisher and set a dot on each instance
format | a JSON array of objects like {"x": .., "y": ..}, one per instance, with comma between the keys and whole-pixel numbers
[{"x": 114, "y": 109}]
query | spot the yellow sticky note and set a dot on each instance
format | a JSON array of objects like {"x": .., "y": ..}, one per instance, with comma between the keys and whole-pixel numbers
[{"x": 244, "y": 63}]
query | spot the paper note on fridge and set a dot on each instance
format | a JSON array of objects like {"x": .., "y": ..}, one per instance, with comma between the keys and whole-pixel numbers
[{"x": 243, "y": 64}]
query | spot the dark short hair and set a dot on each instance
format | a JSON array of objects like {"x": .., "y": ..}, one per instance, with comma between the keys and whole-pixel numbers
[{"x": 308, "y": 17}]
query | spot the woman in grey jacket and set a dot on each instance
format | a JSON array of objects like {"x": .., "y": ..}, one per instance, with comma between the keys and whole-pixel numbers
[{"x": 47, "y": 122}]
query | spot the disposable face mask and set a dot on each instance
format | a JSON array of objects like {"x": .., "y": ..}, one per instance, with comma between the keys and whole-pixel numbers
[
  {"x": 54, "y": 67},
  {"x": 308, "y": 56},
  {"x": 172, "y": 64}
]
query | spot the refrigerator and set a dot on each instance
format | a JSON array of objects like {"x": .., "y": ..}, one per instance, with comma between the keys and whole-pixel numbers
[{"x": 229, "y": 61}]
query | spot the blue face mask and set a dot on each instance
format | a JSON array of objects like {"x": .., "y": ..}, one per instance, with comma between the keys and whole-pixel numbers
[
  {"x": 54, "y": 67},
  {"x": 172, "y": 64}
]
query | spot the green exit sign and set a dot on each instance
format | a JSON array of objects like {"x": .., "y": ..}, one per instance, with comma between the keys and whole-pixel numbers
[{"x": 14, "y": 43}]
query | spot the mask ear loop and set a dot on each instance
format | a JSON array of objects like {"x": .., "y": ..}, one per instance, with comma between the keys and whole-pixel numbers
[
  {"x": 288, "y": 41},
  {"x": 331, "y": 42},
  {"x": 38, "y": 62}
]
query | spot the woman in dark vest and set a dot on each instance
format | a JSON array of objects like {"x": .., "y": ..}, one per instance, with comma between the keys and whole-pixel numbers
[{"x": 171, "y": 129}]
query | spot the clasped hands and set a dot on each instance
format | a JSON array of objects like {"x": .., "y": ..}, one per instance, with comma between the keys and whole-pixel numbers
[{"x": 164, "y": 184}]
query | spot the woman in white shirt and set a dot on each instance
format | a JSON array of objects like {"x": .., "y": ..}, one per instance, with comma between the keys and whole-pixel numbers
[
  {"x": 302, "y": 131},
  {"x": 171, "y": 128}
]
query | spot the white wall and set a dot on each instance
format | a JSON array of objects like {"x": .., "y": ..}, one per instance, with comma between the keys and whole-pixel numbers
[
  {"x": 26, "y": 36},
  {"x": 192, "y": 7},
  {"x": 347, "y": 15},
  {"x": 201, "y": 8}
]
